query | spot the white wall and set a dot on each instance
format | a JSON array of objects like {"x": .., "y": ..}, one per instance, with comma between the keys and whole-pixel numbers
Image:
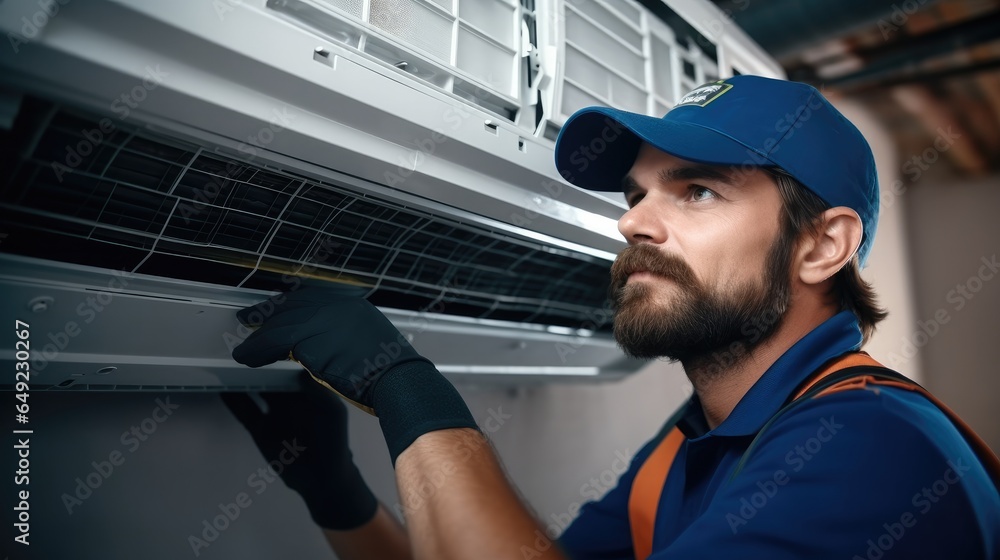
[
  {"x": 553, "y": 440},
  {"x": 953, "y": 226},
  {"x": 889, "y": 263}
]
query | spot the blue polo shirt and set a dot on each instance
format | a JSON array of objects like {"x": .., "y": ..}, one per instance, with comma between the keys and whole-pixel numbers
[{"x": 871, "y": 474}]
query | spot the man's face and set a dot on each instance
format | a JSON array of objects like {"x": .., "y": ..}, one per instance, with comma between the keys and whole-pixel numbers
[{"x": 704, "y": 274}]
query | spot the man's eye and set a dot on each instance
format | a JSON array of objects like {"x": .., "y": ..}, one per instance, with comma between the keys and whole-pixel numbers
[{"x": 701, "y": 193}]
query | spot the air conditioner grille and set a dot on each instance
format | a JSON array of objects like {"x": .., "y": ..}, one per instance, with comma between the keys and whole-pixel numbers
[{"x": 152, "y": 204}]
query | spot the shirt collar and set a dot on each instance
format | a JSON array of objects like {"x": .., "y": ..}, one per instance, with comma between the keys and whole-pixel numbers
[{"x": 835, "y": 336}]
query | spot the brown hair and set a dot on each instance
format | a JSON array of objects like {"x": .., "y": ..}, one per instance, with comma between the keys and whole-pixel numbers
[{"x": 849, "y": 290}]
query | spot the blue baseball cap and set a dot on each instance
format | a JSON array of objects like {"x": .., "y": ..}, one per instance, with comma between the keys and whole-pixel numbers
[{"x": 740, "y": 121}]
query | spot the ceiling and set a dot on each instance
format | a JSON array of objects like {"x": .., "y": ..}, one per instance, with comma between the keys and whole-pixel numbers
[{"x": 926, "y": 68}]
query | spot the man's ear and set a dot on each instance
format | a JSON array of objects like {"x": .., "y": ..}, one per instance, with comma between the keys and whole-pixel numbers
[{"x": 835, "y": 240}]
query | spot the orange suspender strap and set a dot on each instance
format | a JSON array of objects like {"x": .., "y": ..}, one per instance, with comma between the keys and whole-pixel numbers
[
  {"x": 646, "y": 489},
  {"x": 644, "y": 496},
  {"x": 983, "y": 451},
  {"x": 845, "y": 361}
]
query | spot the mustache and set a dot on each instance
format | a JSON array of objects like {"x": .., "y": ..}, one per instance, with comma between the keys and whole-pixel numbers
[{"x": 644, "y": 257}]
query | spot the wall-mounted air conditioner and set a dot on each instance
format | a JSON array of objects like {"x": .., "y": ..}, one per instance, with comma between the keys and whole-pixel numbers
[{"x": 169, "y": 162}]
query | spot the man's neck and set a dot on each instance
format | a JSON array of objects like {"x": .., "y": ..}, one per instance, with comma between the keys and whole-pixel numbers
[{"x": 720, "y": 391}]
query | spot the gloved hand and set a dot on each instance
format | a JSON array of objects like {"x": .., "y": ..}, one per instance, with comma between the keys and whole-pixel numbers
[
  {"x": 346, "y": 344},
  {"x": 313, "y": 425}
]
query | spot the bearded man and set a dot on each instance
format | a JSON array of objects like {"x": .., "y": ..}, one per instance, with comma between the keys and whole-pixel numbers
[{"x": 753, "y": 205}]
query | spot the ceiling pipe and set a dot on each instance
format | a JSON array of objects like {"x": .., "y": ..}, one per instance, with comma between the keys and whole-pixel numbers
[
  {"x": 941, "y": 122},
  {"x": 782, "y": 27},
  {"x": 934, "y": 77},
  {"x": 906, "y": 54}
]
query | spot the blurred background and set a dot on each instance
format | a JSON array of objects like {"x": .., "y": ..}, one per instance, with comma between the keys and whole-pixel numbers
[{"x": 920, "y": 79}]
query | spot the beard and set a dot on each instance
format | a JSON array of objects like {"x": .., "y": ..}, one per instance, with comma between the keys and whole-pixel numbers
[{"x": 700, "y": 326}]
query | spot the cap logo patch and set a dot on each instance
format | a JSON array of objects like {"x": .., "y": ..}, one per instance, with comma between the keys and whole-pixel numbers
[{"x": 705, "y": 94}]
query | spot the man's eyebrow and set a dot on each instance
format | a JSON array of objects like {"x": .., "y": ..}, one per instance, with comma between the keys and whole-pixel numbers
[
  {"x": 629, "y": 186},
  {"x": 705, "y": 172},
  {"x": 688, "y": 173}
]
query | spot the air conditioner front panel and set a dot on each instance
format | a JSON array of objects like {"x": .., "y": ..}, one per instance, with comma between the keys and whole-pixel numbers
[{"x": 104, "y": 329}]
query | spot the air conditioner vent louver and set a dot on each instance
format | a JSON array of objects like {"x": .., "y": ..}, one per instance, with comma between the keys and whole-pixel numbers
[{"x": 157, "y": 205}]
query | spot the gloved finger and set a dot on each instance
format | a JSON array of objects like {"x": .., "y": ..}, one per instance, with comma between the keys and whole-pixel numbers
[
  {"x": 325, "y": 294},
  {"x": 265, "y": 311},
  {"x": 275, "y": 340},
  {"x": 330, "y": 293}
]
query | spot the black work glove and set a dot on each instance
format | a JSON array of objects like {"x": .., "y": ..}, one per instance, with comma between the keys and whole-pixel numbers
[
  {"x": 347, "y": 345},
  {"x": 306, "y": 434}
]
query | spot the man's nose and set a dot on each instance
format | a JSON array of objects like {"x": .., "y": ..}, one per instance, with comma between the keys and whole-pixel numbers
[{"x": 643, "y": 223}]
